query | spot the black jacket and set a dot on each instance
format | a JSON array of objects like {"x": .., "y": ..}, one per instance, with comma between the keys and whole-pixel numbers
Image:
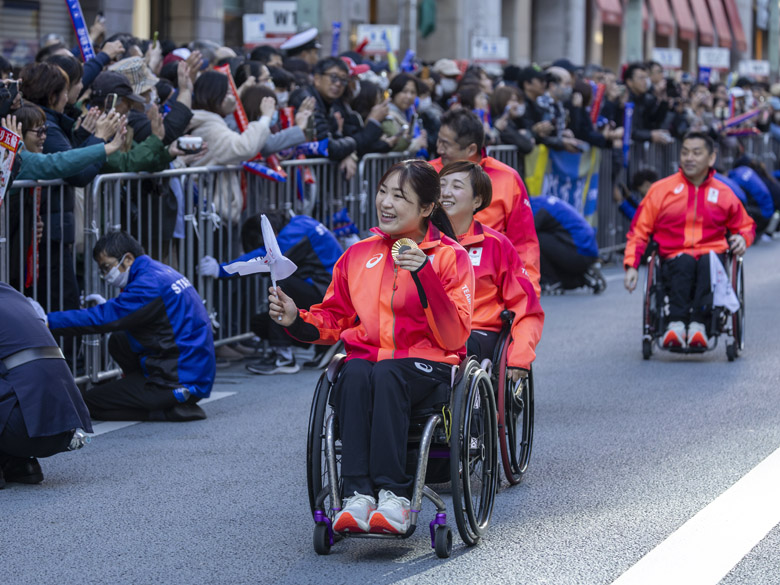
[
  {"x": 649, "y": 115},
  {"x": 355, "y": 137}
]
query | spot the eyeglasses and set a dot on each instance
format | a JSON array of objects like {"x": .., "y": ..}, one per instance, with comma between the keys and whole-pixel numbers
[
  {"x": 338, "y": 79},
  {"x": 39, "y": 132}
]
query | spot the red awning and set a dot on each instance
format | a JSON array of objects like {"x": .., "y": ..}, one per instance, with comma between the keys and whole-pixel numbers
[
  {"x": 721, "y": 23},
  {"x": 664, "y": 21},
  {"x": 736, "y": 25},
  {"x": 703, "y": 22},
  {"x": 611, "y": 11},
  {"x": 686, "y": 28}
]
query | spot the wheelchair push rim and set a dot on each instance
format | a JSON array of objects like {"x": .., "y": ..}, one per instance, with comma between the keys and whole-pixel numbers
[
  {"x": 515, "y": 420},
  {"x": 474, "y": 454}
]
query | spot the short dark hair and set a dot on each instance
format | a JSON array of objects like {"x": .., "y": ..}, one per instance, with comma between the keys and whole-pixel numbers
[
  {"x": 399, "y": 82},
  {"x": 708, "y": 141},
  {"x": 29, "y": 116},
  {"x": 45, "y": 52},
  {"x": 651, "y": 64},
  {"x": 246, "y": 70},
  {"x": 263, "y": 53},
  {"x": 643, "y": 175},
  {"x": 631, "y": 68},
  {"x": 117, "y": 244},
  {"x": 282, "y": 78},
  {"x": 467, "y": 126},
  {"x": 210, "y": 89},
  {"x": 252, "y": 97},
  {"x": 42, "y": 83},
  {"x": 468, "y": 93},
  {"x": 70, "y": 65},
  {"x": 480, "y": 181},
  {"x": 328, "y": 63},
  {"x": 501, "y": 97}
]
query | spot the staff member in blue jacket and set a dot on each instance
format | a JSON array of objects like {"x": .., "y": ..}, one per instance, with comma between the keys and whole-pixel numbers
[
  {"x": 567, "y": 245},
  {"x": 315, "y": 250},
  {"x": 162, "y": 337},
  {"x": 41, "y": 408}
]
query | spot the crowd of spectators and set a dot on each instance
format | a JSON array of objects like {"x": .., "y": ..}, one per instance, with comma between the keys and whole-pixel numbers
[{"x": 124, "y": 110}]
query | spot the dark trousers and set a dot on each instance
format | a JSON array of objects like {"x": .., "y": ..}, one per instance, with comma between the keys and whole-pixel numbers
[
  {"x": 373, "y": 403},
  {"x": 303, "y": 293},
  {"x": 482, "y": 344},
  {"x": 560, "y": 262},
  {"x": 687, "y": 284},
  {"x": 15, "y": 440},
  {"x": 131, "y": 397}
]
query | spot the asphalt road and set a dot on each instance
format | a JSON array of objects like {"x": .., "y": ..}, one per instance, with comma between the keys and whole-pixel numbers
[{"x": 625, "y": 452}]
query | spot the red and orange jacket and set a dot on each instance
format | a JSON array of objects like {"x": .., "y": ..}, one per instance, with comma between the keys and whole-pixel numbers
[
  {"x": 502, "y": 283},
  {"x": 684, "y": 219},
  {"x": 383, "y": 312},
  {"x": 510, "y": 213}
]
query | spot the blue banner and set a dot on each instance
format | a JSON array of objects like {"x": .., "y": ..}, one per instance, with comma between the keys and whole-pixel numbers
[
  {"x": 628, "y": 117},
  {"x": 574, "y": 178},
  {"x": 81, "y": 30},
  {"x": 336, "y": 30}
]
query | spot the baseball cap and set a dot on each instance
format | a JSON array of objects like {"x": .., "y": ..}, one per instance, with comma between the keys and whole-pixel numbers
[
  {"x": 355, "y": 69},
  {"x": 111, "y": 82},
  {"x": 447, "y": 68},
  {"x": 530, "y": 73}
]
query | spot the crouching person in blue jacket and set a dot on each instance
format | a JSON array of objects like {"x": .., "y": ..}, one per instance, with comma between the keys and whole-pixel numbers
[{"x": 161, "y": 337}]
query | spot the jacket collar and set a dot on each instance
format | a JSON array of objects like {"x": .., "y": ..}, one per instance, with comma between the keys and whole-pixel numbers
[
  {"x": 431, "y": 240},
  {"x": 474, "y": 235}
]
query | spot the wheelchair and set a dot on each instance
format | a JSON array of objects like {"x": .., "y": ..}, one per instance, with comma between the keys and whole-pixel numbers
[
  {"x": 724, "y": 322},
  {"x": 457, "y": 433},
  {"x": 515, "y": 406}
]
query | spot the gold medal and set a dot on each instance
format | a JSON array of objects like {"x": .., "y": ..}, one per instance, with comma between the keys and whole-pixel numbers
[{"x": 401, "y": 246}]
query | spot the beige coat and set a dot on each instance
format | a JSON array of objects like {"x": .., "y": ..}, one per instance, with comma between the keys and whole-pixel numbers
[{"x": 227, "y": 147}]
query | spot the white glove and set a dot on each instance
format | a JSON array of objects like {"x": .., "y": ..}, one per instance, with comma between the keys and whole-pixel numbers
[
  {"x": 208, "y": 266},
  {"x": 38, "y": 310},
  {"x": 95, "y": 298}
]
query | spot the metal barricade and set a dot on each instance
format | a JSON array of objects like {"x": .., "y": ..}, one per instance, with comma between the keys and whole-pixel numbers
[
  {"x": 371, "y": 168},
  {"x": 507, "y": 154}
]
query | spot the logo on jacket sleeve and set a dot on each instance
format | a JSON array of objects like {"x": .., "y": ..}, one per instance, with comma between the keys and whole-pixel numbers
[
  {"x": 678, "y": 189},
  {"x": 374, "y": 260},
  {"x": 712, "y": 195}
]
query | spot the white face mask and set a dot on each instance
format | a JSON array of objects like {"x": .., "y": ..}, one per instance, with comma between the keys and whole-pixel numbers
[
  {"x": 269, "y": 84},
  {"x": 282, "y": 98},
  {"x": 117, "y": 278},
  {"x": 519, "y": 110},
  {"x": 448, "y": 86}
]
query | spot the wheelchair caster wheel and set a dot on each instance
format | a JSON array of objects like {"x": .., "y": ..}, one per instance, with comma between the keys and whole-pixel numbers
[
  {"x": 647, "y": 348},
  {"x": 321, "y": 539},
  {"x": 731, "y": 351},
  {"x": 443, "y": 539}
]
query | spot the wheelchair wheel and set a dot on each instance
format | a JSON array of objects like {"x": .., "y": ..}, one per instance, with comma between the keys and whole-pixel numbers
[
  {"x": 738, "y": 318},
  {"x": 321, "y": 539},
  {"x": 650, "y": 311},
  {"x": 443, "y": 541},
  {"x": 473, "y": 453},
  {"x": 316, "y": 467},
  {"x": 515, "y": 420}
]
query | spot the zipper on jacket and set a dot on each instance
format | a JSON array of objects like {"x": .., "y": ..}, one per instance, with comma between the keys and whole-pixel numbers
[
  {"x": 392, "y": 298},
  {"x": 695, "y": 213}
]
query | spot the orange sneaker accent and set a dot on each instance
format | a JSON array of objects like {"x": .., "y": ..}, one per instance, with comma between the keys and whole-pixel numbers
[
  {"x": 380, "y": 525},
  {"x": 346, "y": 523},
  {"x": 698, "y": 340},
  {"x": 671, "y": 339}
]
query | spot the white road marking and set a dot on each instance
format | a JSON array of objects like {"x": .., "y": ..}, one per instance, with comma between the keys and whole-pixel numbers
[
  {"x": 109, "y": 426},
  {"x": 704, "y": 549}
]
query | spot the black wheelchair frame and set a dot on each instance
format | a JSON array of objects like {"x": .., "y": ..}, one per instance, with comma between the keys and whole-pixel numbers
[
  {"x": 469, "y": 418},
  {"x": 724, "y": 322},
  {"x": 515, "y": 406}
]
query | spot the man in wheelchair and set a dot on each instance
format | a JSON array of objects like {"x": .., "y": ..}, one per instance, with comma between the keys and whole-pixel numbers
[
  {"x": 401, "y": 303},
  {"x": 688, "y": 214}
]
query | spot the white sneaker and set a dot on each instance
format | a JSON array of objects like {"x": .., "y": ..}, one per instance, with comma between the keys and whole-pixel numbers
[
  {"x": 697, "y": 335},
  {"x": 354, "y": 514},
  {"x": 392, "y": 514},
  {"x": 675, "y": 335}
]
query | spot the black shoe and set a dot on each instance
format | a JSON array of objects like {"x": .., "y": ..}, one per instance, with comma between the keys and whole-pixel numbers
[
  {"x": 274, "y": 364},
  {"x": 595, "y": 279},
  {"x": 185, "y": 413},
  {"x": 22, "y": 470}
]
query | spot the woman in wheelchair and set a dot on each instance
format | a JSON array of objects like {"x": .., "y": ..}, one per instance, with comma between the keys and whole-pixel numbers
[
  {"x": 688, "y": 214},
  {"x": 501, "y": 280},
  {"x": 401, "y": 302}
]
